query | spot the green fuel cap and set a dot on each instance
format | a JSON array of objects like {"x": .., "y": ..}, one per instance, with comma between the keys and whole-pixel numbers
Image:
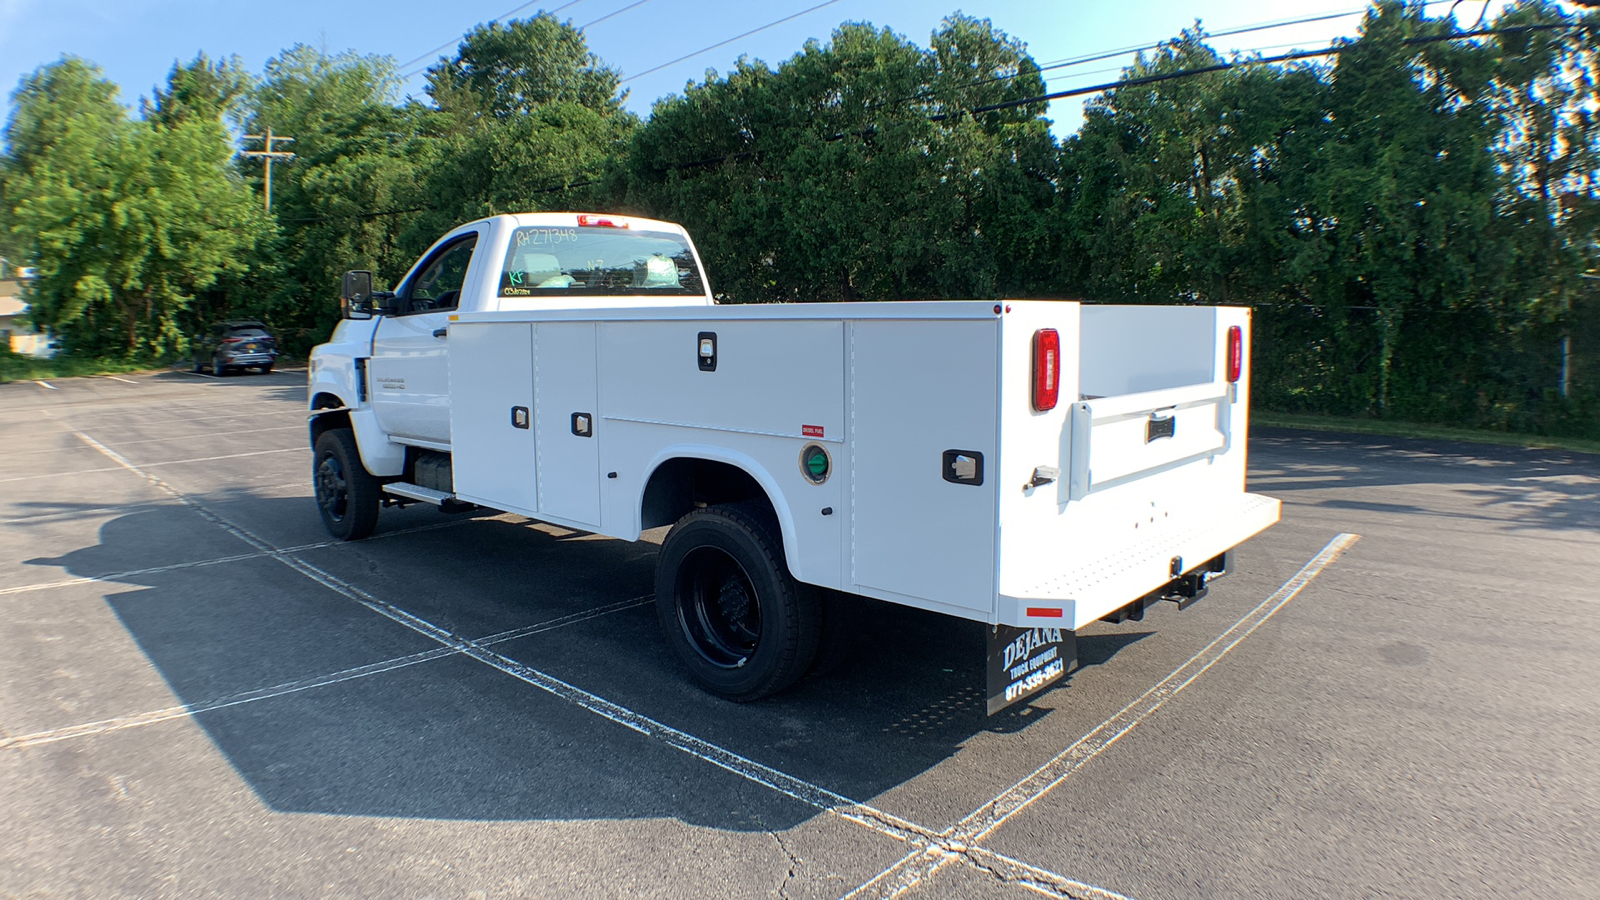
[{"x": 815, "y": 464}]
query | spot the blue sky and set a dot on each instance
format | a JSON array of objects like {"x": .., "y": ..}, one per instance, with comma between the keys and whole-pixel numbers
[{"x": 136, "y": 41}]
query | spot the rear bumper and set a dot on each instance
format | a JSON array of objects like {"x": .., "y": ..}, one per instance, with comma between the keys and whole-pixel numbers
[
  {"x": 247, "y": 359},
  {"x": 1088, "y": 592}
]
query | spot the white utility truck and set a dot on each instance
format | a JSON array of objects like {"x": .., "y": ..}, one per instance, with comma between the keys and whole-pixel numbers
[{"x": 1031, "y": 465}]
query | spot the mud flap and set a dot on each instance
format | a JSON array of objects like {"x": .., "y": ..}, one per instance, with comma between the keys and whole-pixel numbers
[{"x": 1026, "y": 661}]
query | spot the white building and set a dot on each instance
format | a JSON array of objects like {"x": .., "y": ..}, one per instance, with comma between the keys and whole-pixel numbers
[{"x": 15, "y": 330}]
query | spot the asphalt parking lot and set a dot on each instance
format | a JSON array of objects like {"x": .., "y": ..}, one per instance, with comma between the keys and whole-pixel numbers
[{"x": 1394, "y": 694}]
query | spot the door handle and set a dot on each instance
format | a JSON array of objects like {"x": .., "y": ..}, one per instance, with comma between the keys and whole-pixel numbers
[{"x": 441, "y": 332}]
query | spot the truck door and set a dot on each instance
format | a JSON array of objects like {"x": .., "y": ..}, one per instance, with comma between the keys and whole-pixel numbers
[{"x": 410, "y": 366}]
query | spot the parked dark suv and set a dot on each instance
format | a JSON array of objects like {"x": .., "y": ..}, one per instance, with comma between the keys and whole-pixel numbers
[{"x": 236, "y": 345}]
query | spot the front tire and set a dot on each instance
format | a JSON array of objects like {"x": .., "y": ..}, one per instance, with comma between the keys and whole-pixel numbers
[
  {"x": 729, "y": 607},
  {"x": 347, "y": 494}
]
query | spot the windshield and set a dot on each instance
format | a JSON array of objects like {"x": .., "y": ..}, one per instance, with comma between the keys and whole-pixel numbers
[{"x": 551, "y": 261}]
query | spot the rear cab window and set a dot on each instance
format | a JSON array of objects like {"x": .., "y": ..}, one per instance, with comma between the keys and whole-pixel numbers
[{"x": 561, "y": 260}]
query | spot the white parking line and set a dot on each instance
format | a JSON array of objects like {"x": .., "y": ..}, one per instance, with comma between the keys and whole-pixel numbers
[
  {"x": 45, "y": 384},
  {"x": 115, "y": 577},
  {"x": 231, "y": 433},
  {"x": 170, "y": 462},
  {"x": 123, "y": 380},
  {"x": 796, "y": 788},
  {"x": 120, "y": 723},
  {"x": 981, "y": 822}
]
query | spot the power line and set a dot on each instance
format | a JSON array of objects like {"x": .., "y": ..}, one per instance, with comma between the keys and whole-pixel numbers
[
  {"x": 1284, "y": 57},
  {"x": 680, "y": 59},
  {"x": 1140, "y": 48},
  {"x": 446, "y": 45},
  {"x": 1076, "y": 92},
  {"x": 608, "y": 15}
]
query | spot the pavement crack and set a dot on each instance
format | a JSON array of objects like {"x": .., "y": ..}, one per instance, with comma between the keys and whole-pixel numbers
[
  {"x": 1009, "y": 872},
  {"x": 794, "y": 864}
]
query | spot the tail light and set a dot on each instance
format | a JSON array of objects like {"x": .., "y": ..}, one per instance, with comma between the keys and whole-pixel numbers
[
  {"x": 601, "y": 222},
  {"x": 1235, "y": 353},
  {"x": 1046, "y": 369},
  {"x": 233, "y": 340}
]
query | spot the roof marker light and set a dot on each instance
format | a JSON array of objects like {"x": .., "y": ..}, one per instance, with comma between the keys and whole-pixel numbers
[{"x": 588, "y": 221}]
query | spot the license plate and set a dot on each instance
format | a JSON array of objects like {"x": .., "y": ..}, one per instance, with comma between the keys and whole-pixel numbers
[{"x": 251, "y": 346}]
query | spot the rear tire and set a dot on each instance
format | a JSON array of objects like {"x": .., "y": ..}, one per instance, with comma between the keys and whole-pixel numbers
[
  {"x": 729, "y": 607},
  {"x": 347, "y": 494},
  {"x": 266, "y": 369}
]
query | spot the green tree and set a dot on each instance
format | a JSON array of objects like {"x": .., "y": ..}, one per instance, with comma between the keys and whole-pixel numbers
[
  {"x": 511, "y": 69},
  {"x": 527, "y": 119},
  {"x": 349, "y": 197},
  {"x": 1543, "y": 102},
  {"x": 128, "y": 222},
  {"x": 858, "y": 170},
  {"x": 201, "y": 88}
]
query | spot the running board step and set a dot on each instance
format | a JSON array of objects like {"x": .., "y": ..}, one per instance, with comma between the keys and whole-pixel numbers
[{"x": 445, "y": 502}]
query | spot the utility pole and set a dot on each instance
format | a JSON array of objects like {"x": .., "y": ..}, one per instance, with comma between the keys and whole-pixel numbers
[{"x": 267, "y": 155}]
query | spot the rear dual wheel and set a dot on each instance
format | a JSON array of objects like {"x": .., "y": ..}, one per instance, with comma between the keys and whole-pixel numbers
[{"x": 729, "y": 607}]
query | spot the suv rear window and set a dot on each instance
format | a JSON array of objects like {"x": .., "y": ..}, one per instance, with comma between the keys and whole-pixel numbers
[{"x": 546, "y": 261}]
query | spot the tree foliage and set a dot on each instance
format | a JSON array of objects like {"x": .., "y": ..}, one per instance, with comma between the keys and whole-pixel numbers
[
  {"x": 854, "y": 172},
  {"x": 505, "y": 70},
  {"x": 130, "y": 223},
  {"x": 1415, "y": 219}
]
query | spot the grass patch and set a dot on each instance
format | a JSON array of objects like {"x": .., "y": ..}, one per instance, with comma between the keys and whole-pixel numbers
[
  {"x": 17, "y": 367},
  {"x": 1413, "y": 430}
]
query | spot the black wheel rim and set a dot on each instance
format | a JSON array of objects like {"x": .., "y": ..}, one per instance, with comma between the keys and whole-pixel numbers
[
  {"x": 333, "y": 492},
  {"x": 718, "y": 608}
]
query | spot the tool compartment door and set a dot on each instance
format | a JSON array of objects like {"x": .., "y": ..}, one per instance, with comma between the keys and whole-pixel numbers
[
  {"x": 920, "y": 391},
  {"x": 565, "y": 415},
  {"x": 493, "y": 454}
]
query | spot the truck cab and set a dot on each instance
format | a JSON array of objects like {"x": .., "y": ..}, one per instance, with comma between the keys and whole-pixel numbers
[{"x": 391, "y": 353}]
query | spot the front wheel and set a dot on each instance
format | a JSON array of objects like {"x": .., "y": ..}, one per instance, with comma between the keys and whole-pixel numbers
[
  {"x": 729, "y": 607},
  {"x": 347, "y": 494}
]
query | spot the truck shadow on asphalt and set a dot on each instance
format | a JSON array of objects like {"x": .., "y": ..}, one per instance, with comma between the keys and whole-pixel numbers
[
  {"x": 1520, "y": 489},
  {"x": 403, "y": 728}
]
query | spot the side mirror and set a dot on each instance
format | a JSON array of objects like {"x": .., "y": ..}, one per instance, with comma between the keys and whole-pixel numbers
[{"x": 355, "y": 295}]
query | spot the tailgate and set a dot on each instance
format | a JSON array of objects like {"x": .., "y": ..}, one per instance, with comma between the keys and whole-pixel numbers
[
  {"x": 1138, "y": 474},
  {"x": 1119, "y": 438}
]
